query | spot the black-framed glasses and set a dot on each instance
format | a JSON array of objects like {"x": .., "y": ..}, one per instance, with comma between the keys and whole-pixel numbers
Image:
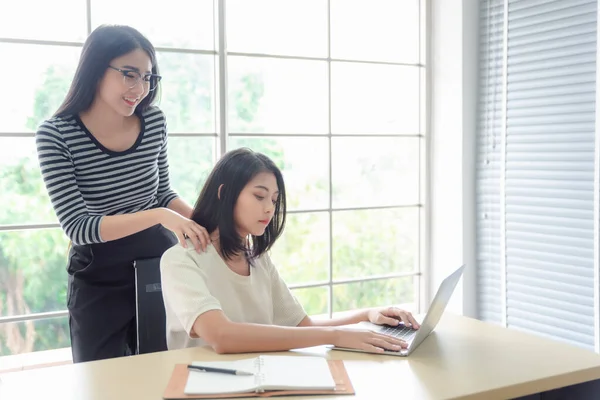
[{"x": 132, "y": 77}]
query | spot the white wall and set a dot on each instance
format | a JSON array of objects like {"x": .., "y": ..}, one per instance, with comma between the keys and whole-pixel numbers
[{"x": 453, "y": 41}]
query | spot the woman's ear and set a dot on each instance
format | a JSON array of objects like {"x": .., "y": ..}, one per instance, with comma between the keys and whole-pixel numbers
[{"x": 219, "y": 191}]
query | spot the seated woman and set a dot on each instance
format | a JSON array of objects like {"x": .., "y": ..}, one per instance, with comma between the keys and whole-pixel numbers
[{"x": 231, "y": 297}]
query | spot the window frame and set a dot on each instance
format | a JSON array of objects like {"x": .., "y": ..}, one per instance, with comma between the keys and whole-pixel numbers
[{"x": 221, "y": 146}]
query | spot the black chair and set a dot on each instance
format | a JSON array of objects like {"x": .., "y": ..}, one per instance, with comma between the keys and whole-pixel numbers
[{"x": 150, "y": 308}]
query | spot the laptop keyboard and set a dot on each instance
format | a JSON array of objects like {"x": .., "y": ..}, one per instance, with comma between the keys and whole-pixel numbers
[{"x": 401, "y": 332}]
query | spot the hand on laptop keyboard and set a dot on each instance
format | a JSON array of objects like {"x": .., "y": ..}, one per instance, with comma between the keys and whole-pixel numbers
[
  {"x": 367, "y": 340},
  {"x": 392, "y": 316}
]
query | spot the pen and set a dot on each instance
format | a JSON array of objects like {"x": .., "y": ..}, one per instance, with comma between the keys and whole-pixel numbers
[{"x": 220, "y": 370}]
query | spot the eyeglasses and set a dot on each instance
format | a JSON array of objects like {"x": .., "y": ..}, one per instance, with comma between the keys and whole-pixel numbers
[{"x": 131, "y": 78}]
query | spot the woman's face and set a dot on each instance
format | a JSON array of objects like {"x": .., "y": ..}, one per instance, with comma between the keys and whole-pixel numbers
[
  {"x": 255, "y": 205},
  {"x": 123, "y": 90}
]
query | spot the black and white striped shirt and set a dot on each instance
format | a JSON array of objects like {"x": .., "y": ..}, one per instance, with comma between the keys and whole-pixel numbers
[{"x": 86, "y": 181}]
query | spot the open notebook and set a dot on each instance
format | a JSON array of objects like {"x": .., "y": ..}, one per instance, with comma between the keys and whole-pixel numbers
[
  {"x": 270, "y": 373},
  {"x": 273, "y": 376}
]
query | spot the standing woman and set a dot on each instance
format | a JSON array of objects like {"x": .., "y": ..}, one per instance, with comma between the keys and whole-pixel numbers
[{"x": 103, "y": 157}]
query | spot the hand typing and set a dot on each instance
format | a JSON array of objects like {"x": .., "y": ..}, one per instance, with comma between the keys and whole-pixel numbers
[
  {"x": 367, "y": 340},
  {"x": 392, "y": 316}
]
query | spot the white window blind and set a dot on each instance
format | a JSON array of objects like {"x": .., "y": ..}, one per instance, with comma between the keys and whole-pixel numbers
[
  {"x": 536, "y": 260},
  {"x": 489, "y": 249}
]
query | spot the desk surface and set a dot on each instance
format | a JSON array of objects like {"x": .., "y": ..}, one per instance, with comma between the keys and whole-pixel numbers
[{"x": 464, "y": 358}]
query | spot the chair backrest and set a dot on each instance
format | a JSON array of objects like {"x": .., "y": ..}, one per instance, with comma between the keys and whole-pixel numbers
[{"x": 150, "y": 308}]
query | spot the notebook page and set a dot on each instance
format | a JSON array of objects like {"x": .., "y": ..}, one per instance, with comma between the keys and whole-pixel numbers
[
  {"x": 295, "y": 373},
  {"x": 215, "y": 383}
]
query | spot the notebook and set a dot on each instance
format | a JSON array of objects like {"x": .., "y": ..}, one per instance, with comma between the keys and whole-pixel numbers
[{"x": 273, "y": 376}]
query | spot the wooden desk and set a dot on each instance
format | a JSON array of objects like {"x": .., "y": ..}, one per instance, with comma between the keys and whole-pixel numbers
[{"x": 463, "y": 358}]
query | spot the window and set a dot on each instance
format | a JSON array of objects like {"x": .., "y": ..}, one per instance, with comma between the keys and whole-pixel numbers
[{"x": 339, "y": 109}]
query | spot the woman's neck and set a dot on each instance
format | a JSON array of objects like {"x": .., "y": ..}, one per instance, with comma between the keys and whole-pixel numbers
[
  {"x": 215, "y": 240},
  {"x": 102, "y": 119},
  {"x": 237, "y": 263}
]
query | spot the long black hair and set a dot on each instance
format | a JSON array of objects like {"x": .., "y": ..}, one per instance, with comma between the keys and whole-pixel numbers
[
  {"x": 104, "y": 44},
  {"x": 234, "y": 170}
]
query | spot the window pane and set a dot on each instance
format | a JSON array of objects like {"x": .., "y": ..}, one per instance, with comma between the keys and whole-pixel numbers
[
  {"x": 371, "y": 98},
  {"x": 268, "y": 95},
  {"x": 375, "y": 242},
  {"x": 37, "y": 78},
  {"x": 24, "y": 197},
  {"x": 300, "y": 26},
  {"x": 29, "y": 336},
  {"x": 34, "y": 280},
  {"x": 314, "y": 300},
  {"x": 306, "y": 182},
  {"x": 375, "y": 171},
  {"x": 301, "y": 255},
  {"x": 62, "y": 20},
  {"x": 187, "y": 92},
  {"x": 178, "y": 23},
  {"x": 190, "y": 161},
  {"x": 378, "y": 293},
  {"x": 378, "y": 30}
]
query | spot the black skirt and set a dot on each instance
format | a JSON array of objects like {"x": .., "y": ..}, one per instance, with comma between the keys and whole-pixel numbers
[{"x": 101, "y": 293}]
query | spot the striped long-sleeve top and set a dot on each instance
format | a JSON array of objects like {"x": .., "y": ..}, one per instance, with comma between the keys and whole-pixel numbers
[{"x": 86, "y": 181}]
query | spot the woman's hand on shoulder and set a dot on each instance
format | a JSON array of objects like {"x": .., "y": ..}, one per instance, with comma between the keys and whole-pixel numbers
[
  {"x": 185, "y": 228},
  {"x": 392, "y": 316}
]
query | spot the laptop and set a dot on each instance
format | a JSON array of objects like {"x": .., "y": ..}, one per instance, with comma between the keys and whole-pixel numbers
[{"x": 414, "y": 337}]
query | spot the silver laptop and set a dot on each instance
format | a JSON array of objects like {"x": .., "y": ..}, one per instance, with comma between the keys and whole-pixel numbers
[{"x": 414, "y": 337}]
